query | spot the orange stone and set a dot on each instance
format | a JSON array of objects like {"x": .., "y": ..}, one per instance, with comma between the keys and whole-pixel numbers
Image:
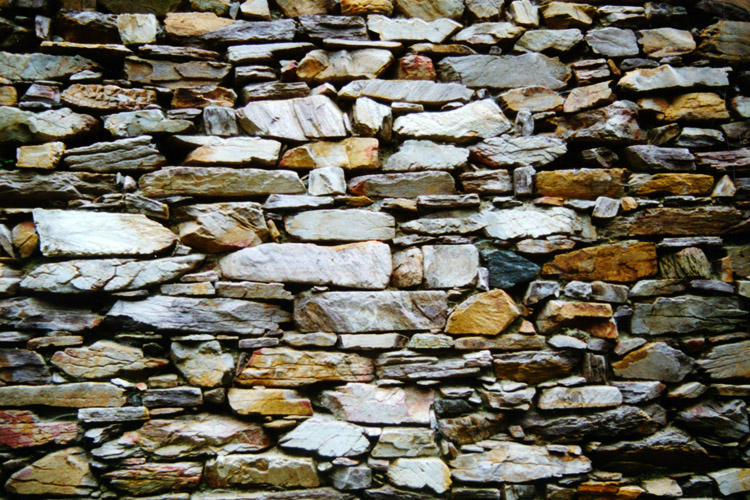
[
  {"x": 484, "y": 314},
  {"x": 622, "y": 262},
  {"x": 676, "y": 184},
  {"x": 558, "y": 312},
  {"x": 584, "y": 183}
]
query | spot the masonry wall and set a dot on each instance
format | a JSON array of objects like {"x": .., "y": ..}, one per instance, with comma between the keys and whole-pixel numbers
[{"x": 374, "y": 249}]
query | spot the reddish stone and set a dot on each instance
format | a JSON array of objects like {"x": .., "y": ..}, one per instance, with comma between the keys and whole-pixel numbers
[{"x": 415, "y": 67}]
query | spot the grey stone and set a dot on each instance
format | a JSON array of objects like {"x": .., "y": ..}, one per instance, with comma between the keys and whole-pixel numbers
[
  {"x": 352, "y": 478},
  {"x": 727, "y": 361},
  {"x": 125, "y": 155},
  {"x": 669, "y": 77},
  {"x": 731, "y": 481},
  {"x": 655, "y": 361},
  {"x": 320, "y": 66},
  {"x": 18, "y": 126},
  {"x": 556, "y": 40},
  {"x": 651, "y": 158},
  {"x": 202, "y": 364},
  {"x": 505, "y": 152},
  {"x": 639, "y": 392},
  {"x": 418, "y": 473},
  {"x": 265, "y": 52},
  {"x": 372, "y": 119},
  {"x": 590, "y": 396},
  {"x": 219, "y": 182},
  {"x": 326, "y": 181},
  {"x": 404, "y": 185},
  {"x": 412, "y": 30},
  {"x": 314, "y": 117},
  {"x": 395, "y": 442},
  {"x": 612, "y": 42},
  {"x": 617, "y": 423},
  {"x": 488, "y": 33},
  {"x": 34, "y": 67},
  {"x": 426, "y": 155},
  {"x": 414, "y": 91},
  {"x": 725, "y": 421},
  {"x": 505, "y": 72},
  {"x": 687, "y": 314},
  {"x": 532, "y": 222},
  {"x": 327, "y": 437},
  {"x": 447, "y": 266}
]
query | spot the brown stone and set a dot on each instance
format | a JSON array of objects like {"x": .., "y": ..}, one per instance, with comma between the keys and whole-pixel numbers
[
  {"x": 268, "y": 402},
  {"x": 349, "y": 154},
  {"x": 271, "y": 468},
  {"x": 83, "y": 395},
  {"x": 283, "y": 367},
  {"x": 557, "y": 313},
  {"x": 623, "y": 262},
  {"x": 484, "y": 314},
  {"x": 695, "y": 106},
  {"x": 203, "y": 96},
  {"x": 151, "y": 478},
  {"x": 727, "y": 41},
  {"x": 23, "y": 429},
  {"x": 61, "y": 473},
  {"x": 535, "y": 99},
  {"x": 44, "y": 156},
  {"x": 589, "y": 96},
  {"x": 362, "y": 7},
  {"x": 104, "y": 359},
  {"x": 107, "y": 97},
  {"x": 584, "y": 183},
  {"x": 415, "y": 67},
  {"x": 25, "y": 239},
  {"x": 175, "y": 74},
  {"x": 185, "y": 24},
  {"x": 562, "y": 15},
  {"x": 222, "y": 227},
  {"x": 706, "y": 221},
  {"x": 8, "y": 95},
  {"x": 534, "y": 367},
  {"x": 674, "y": 184}
]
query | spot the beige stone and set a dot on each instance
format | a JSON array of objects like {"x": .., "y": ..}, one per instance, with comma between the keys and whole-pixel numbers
[
  {"x": 535, "y": 99},
  {"x": 695, "y": 106},
  {"x": 349, "y": 154},
  {"x": 64, "y": 472},
  {"x": 44, "y": 156},
  {"x": 486, "y": 313},
  {"x": 561, "y": 15},
  {"x": 590, "y": 96},
  {"x": 557, "y": 312},
  {"x": 261, "y": 401},
  {"x": 25, "y": 239},
  {"x": 666, "y": 42},
  {"x": 8, "y": 95},
  {"x": 584, "y": 183},
  {"x": 671, "y": 184},
  {"x": 297, "y": 8},
  {"x": 194, "y": 23},
  {"x": 363, "y": 7}
]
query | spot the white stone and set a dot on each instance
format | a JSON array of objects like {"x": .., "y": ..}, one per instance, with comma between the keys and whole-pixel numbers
[
  {"x": 314, "y": 117},
  {"x": 137, "y": 28},
  {"x": 590, "y": 396},
  {"x": 531, "y": 222},
  {"x": 236, "y": 151},
  {"x": 370, "y": 404},
  {"x": 372, "y": 119},
  {"x": 479, "y": 119},
  {"x": 731, "y": 481},
  {"x": 426, "y": 155},
  {"x": 412, "y": 30},
  {"x": 417, "y": 473},
  {"x": 326, "y": 180},
  {"x": 446, "y": 266},
  {"x": 328, "y": 437},
  {"x": 341, "y": 225}
]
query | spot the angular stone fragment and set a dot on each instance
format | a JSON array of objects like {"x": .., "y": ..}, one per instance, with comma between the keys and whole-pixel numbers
[
  {"x": 668, "y": 77},
  {"x": 535, "y": 99},
  {"x": 222, "y": 227},
  {"x": 504, "y": 151},
  {"x": 44, "y": 156},
  {"x": 357, "y": 7},
  {"x": 350, "y": 154},
  {"x": 405, "y": 185},
  {"x": 590, "y": 96},
  {"x": 22, "y": 429},
  {"x": 327, "y": 437},
  {"x": 687, "y": 314},
  {"x": 262, "y": 401},
  {"x": 486, "y": 313},
  {"x": 124, "y": 155},
  {"x": 419, "y": 92},
  {"x": 341, "y": 225},
  {"x": 653, "y": 158},
  {"x": 695, "y": 106},
  {"x": 107, "y": 97},
  {"x": 688, "y": 262},
  {"x": 353, "y": 312},
  {"x": 150, "y": 478},
  {"x": 322, "y": 66},
  {"x": 395, "y": 442},
  {"x": 219, "y": 182},
  {"x": 480, "y": 119},
  {"x": 209, "y": 29},
  {"x": 358, "y": 265},
  {"x": 412, "y": 30},
  {"x": 34, "y": 314},
  {"x": 639, "y": 392},
  {"x": 34, "y": 67},
  {"x": 408, "y": 365},
  {"x": 103, "y": 359},
  {"x": 19, "y": 366},
  {"x": 488, "y": 33},
  {"x": 612, "y": 42},
  {"x": 372, "y": 119},
  {"x": 315, "y": 117},
  {"x": 666, "y": 42},
  {"x": 655, "y": 361},
  {"x": 198, "y": 315},
  {"x": 234, "y": 151},
  {"x": 531, "y": 222},
  {"x": 18, "y": 126},
  {"x": 447, "y": 266},
  {"x": 533, "y": 367},
  {"x": 726, "y": 41},
  {"x": 371, "y": 404},
  {"x": 63, "y": 472},
  {"x": 486, "y": 182},
  {"x": 731, "y": 481},
  {"x": 147, "y": 121},
  {"x": 558, "y": 312},
  {"x": 296, "y": 8},
  {"x": 430, "y": 10},
  {"x": 108, "y": 275},
  {"x": 305, "y": 494},
  {"x": 725, "y": 421},
  {"x": 584, "y": 183},
  {"x": 623, "y": 262},
  {"x": 613, "y": 124},
  {"x": 265, "y": 52},
  {"x": 516, "y": 463},
  {"x": 709, "y": 220},
  {"x": 727, "y": 361},
  {"x": 550, "y": 40},
  {"x": 78, "y": 233},
  {"x": 417, "y": 473},
  {"x": 202, "y": 364},
  {"x": 136, "y": 29},
  {"x": 271, "y": 468},
  {"x": 505, "y": 72},
  {"x": 82, "y": 395},
  {"x": 590, "y": 396},
  {"x": 109, "y": 415}
]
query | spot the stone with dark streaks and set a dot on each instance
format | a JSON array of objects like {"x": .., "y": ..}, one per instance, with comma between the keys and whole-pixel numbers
[
  {"x": 28, "y": 313},
  {"x": 219, "y": 182},
  {"x": 688, "y": 314},
  {"x": 20, "y": 366},
  {"x": 668, "y": 221},
  {"x": 124, "y": 155},
  {"x": 60, "y": 473},
  {"x": 618, "y": 423},
  {"x": 24, "y": 127},
  {"x": 151, "y": 478},
  {"x": 655, "y": 361}
]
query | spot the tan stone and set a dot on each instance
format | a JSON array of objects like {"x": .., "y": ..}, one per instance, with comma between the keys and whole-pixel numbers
[
  {"x": 535, "y": 99},
  {"x": 562, "y": 15},
  {"x": 44, "y": 156},
  {"x": 8, "y": 95},
  {"x": 727, "y": 41},
  {"x": 194, "y": 23},
  {"x": 557, "y": 312},
  {"x": 349, "y": 154},
  {"x": 271, "y": 468},
  {"x": 203, "y": 96},
  {"x": 23, "y": 429},
  {"x": 624, "y": 262},
  {"x": 268, "y": 402},
  {"x": 107, "y": 97},
  {"x": 675, "y": 184},
  {"x": 695, "y": 106},
  {"x": 361, "y": 7},
  {"x": 319, "y": 66},
  {"x": 103, "y": 359},
  {"x": 83, "y": 395},
  {"x": 589, "y": 96},
  {"x": 666, "y": 42},
  {"x": 296, "y": 8},
  {"x": 484, "y": 314},
  {"x": 64, "y": 472},
  {"x": 584, "y": 183}
]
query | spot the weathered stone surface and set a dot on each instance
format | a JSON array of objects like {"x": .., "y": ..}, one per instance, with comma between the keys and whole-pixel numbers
[
  {"x": 552, "y": 40},
  {"x": 624, "y": 262},
  {"x": 149, "y": 478},
  {"x": 359, "y": 265},
  {"x": 109, "y": 275},
  {"x": 107, "y": 97},
  {"x": 306, "y": 494},
  {"x": 590, "y": 396},
  {"x": 431, "y": 10},
  {"x": 103, "y": 359},
  {"x": 531, "y": 222},
  {"x": 558, "y": 312},
  {"x": 480, "y": 119},
  {"x": 265, "y": 52},
  {"x": 350, "y": 154},
  {"x": 283, "y": 367},
  {"x": 655, "y": 361},
  {"x": 589, "y": 96},
  {"x": 221, "y": 227},
  {"x": 63, "y": 472},
  {"x": 731, "y": 481},
  {"x": 505, "y": 72},
  {"x": 565, "y": 15},
  {"x": 78, "y": 233},
  {"x": 408, "y": 365},
  {"x": 507, "y": 269},
  {"x": 327, "y": 437},
  {"x": 404, "y": 185},
  {"x": 668, "y": 77},
  {"x": 356, "y": 7},
  {"x": 233, "y": 151},
  {"x": 412, "y": 30},
  {"x": 666, "y": 42},
  {"x": 535, "y": 99},
  {"x": 82, "y": 395},
  {"x": 137, "y": 28},
  {"x": 726, "y": 41},
  {"x": 417, "y": 473},
  {"x": 370, "y": 404},
  {"x": 20, "y": 366},
  {"x": 173, "y": 397},
  {"x": 370, "y": 118},
  {"x": 639, "y": 392},
  {"x": 688, "y": 262},
  {"x": 202, "y": 364},
  {"x": 612, "y": 42},
  {"x": 296, "y": 8},
  {"x": 484, "y": 314},
  {"x": 695, "y": 106},
  {"x": 516, "y": 463},
  {"x": 202, "y": 97},
  {"x": 613, "y": 124},
  {"x": 535, "y": 366},
  {"x": 198, "y": 315},
  {"x": 447, "y": 266},
  {"x": 620, "y": 422},
  {"x": 426, "y": 155},
  {"x": 653, "y": 158},
  {"x": 124, "y": 155},
  {"x": 29, "y": 313},
  {"x": 488, "y": 33},
  {"x": 44, "y": 156},
  {"x": 727, "y": 361},
  {"x": 419, "y": 92},
  {"x": 725, "y": 421},
  {"x": 341, "y": 225},
  {"x": 395, "y": 442},
  {"x": 262, "y": 401},
  {"x": 676, "y": 222},
  {"x": 34, "y": 67},
  {"x": 187, "y": 436},
  {"x": 687, "y": 314},
  {"x": 209, "y": 29},
  {"x": 315, "y": 117},
  {"x": 322, "y": 66},
  {"x": 219, "y": 182},
  {"x": 534, "y": 151},
  {"x": 352, "y": 312},
  {"x": 584, "y": 183},
  {"x": 470, "y": 428},
  {"x": 270, "y": 469},
  {"x": 147, "y": 121},
  {"x": 23, "y": 429},
  {"x": 18, "y": 126}
]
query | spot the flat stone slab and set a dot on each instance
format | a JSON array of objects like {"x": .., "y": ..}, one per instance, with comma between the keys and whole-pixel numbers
[
  {"x": 505, "y": 72},
  {"x": 341, "y": 225},
  {"x": 33, "y": 67},
  {"x": 688, "y": 314},
  {"x": 29, "y": 313},
  {"x": 79, "y": 395},
  {"x": 476, "y": 120},
  {"x": 302, "y": 119},
  {"x": 415, "y": 91},
  {"x": 371, "y": 404},
  {"x": 220, "y": 182}
]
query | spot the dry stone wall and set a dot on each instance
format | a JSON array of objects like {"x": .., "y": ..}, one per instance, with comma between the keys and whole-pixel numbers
[{"x": 376, "y": 249}]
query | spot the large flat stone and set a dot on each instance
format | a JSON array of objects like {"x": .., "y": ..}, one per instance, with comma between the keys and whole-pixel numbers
[
  {"x": 28, "y": 313},
  {"x": 623, "y": 262},
  {"x": 668, "y": 77},
  {"x": 571, "y": 398},
  {"x": 523, "y": 151},
  {"x": 359, "y": 265},
  {"x": 505, "y": 72},
  {"x": 262, "y": 401},
  {"x": 301, "y": 119},
  {"x": 65, "y": 233},
  {"x": 486, "y": 313},
  {"x": 24, "y": 127},
  {"x": 124, "y": 155},
  {"x": 80, "y": 395},
  {"x": 104, "y": 359},
  {"x": 583, "y": 183},
  {"x": 320, "y": 66},
  {"x": 613, "y": 124},
  {"x": 727, "y": 361},
  {"x": 668, "y": 221},
  {"x": 726, "y": 41},
  {"x": 352, "y": 312},
  {"x": 219, "y": 182},
  {"x": 688, "y": 314},
  {"x": 403, "y": 185},
  {"x": 426, "y": 155},
  {"x": 234, "y": 151},
  {"x": 19, "y": 185},
  {"x": 535, "y": 366},
  {"x": 63, "y": 472},
  {"x": 349, "y": 154},
  {"x": 327, "y": 437},
  {"x": 532, "y": 222},
  {"x": 341, "y": 225},
  {"x": 655, "y": 361},
  {"x": 371, "y": 404},
  {"x": 33, "y": 67},
  {"x": 107, "y": 98},
  {"x": 412, "y": 30},
  {"x": 222, "y": 227},
  {"x": 23, "y": 429},
  {"x": 415, "y": 91},
  {"x": 187, "y": 314},
  {"x": 264, "y": 469}
]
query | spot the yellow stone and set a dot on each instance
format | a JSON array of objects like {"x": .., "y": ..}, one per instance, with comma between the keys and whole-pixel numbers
[
  {"x": 675, "y": 184},
  {"x": 695, "y": 106},
  {"x": 349, "y": 154},
  {"x": 8, "y": 95},
  {"x": 359, "y": 7},
  {"x": 486, "y": 313},
  {"x": 622, "y": 262},
  {"x": 268, "y": 402},
  {"x": 194, "y": 23},
  {"x": 44, "y": 156}
]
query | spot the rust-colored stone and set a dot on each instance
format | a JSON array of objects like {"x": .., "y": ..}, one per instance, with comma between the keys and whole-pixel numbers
[
  {"x": 623, "y": 262},
  {"x": 484, "y": 314},
  {"x": 584, "y": 183}
]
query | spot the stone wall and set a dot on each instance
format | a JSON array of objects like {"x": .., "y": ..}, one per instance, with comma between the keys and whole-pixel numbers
[{"x": 376, "y": 249}]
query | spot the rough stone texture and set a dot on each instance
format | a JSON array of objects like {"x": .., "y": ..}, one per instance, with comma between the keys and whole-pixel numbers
[
  {"x": 415, "y": 30},
  {"x": 33, "y": 67},
  {"x": 370, "y": 404},
  {"x": 80, "y": 395},
  {"x": 418, "y": 92},
  {"x": 481, "y": 119},
  {"x": 17, "y": 126},
  {"x": 505, "y": 72},
  {"x": 64, "y": 472},
  {"x": 103, "y": 359},
  {"x": 655, "y": 361},
  {"x": 327, "y": 437},
  {"x": 584, "y": 183},
  {"x": 341, "y": 225},
  {"x": 623, "y": 262},
  {"x": 487, "y": 313},
  {"x": 687, "y": 314},
  {"x": 349, "y": 154},
  {"x": 315, "y": 117},
  {"x": 270, "y": 469},
  {"x": 222, "y": 227},
  {"x": 321, "y": 66},
  {"x": 416, "y": 473},
  {"x": 531, "y": 222},
  {"x": 534, "y": 367},
  {"x": 533, "y": 151},
  {"x": 268, "y": 402}
]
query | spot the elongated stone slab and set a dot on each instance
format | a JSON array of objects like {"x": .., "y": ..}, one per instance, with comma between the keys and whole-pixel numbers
[
  {"x": 21, "y": 366},
  {"x": 175, "y": 74},
  {"x": 148, "y": 478},
  {"x": 280, "y": 30},
  {"x": 234, "y": 151},
  {"x": 412, "y": 30},
  {"x": 505, "y": 72},
  {"x": 571, "y": 398},
  {"x": 728, "y": 361},
  {"x": 19, "y": 126},
  {"x": 23, "y": 429},
  {"x": 341, "y": 225},
  {"x": 284, "y": 367},
  {"x": 271, "y": 469},
  {"x": 63, "y": 472},
  {"x": 404, "y": 185},
  {"x": 33, "y": 67},
  {"x": 371, "y": 404},
  {"x": 532, "y": 222},
  {"x": 82, "y": 395},
  {"x": 28, "y": 313},
  {"x": 623, "y": 262},
  {"x": 77, "y": 233},
  {"x": 668, "y": 77},
  {"x": 359, "y": 265},
  {"x": 107, "y": 97},
  {"x": 265, "y": 52},
  {"x": 302, "y": 119},
  {"x": 688, "y": 314},
  {"x": 342, "y": 66},
  {"x": 132, "y": 154},
  {"x": 198, "y": 315},
  {"x": 108, "y": 275},
  {"x": 103, "y": 359},
  {"x": 18, "y": 185},
  {"x": 349, "y": 154},
  {"x": 583, "y": 183},
  {"x": 261, "y": 401},
  {"x": 415, "y": 91},
  {"x": 352, "y": 312},
  {"x": 328, "y": 437},
  {"x": 219, "y": 182},
  {"x": 426, "y": 155},
  {"x": 533, "y": 150},
  {"x": 707, "y": 221}
]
